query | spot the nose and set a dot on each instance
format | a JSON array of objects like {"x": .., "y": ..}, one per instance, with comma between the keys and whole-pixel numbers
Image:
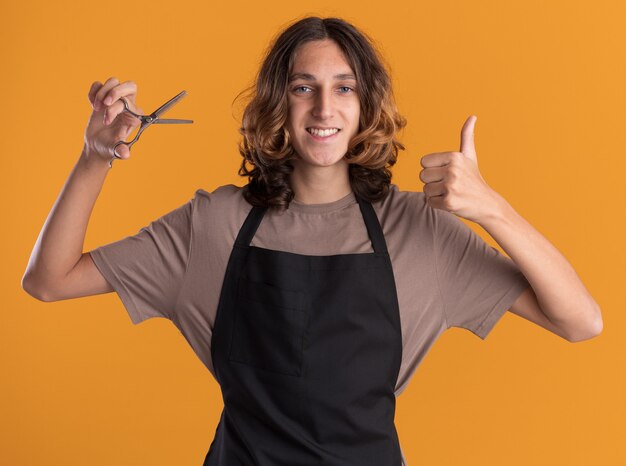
[{"x": 323, "y": 105}]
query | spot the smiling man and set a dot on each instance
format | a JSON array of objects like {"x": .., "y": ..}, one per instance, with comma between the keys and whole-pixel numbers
[{"x": 324, "y": 114}]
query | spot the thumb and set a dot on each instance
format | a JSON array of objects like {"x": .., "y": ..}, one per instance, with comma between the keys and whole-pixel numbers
[
  {"x": 467, "y": 138},
  {"x": 121, "y": 150}
]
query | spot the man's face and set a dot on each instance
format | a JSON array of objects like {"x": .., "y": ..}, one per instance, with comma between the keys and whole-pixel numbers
[{"x": 322, "y": 95}]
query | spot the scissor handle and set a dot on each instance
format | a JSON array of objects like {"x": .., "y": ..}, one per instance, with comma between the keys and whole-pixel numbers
[
  {"x": 129, "y": 143},
  {"x": 127, "y": 108},
  {"x": 115, "y": 156},
  {"x": 145, "y": 122}
]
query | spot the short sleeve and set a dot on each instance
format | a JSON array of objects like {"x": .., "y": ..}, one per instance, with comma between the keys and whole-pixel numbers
[
  {"x": 478, "y": 284},
  {"x": 147, "y": 270}
]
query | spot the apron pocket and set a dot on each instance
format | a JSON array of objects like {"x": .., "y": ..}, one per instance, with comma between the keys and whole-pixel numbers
[{"x": 269, "y": 327}]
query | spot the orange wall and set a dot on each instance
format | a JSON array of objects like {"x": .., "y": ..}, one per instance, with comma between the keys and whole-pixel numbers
[{"x": 82, "y": 385}]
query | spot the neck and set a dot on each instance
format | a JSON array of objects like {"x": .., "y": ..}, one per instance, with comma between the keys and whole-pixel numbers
[{"x": 320, "y": 185}]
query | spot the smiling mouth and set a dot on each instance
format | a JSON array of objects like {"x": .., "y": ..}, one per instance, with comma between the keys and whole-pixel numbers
[{"x": 319, "y": 133}]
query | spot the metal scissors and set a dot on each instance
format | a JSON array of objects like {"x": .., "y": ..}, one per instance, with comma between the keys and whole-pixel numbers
[{"x": 147, "y": 120}]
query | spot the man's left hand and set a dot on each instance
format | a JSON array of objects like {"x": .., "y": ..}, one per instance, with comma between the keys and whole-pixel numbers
[{"x": 452, "y": 181}]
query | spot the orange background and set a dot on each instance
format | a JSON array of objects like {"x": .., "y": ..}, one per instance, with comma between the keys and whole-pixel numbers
[{"x": 82, "y": 385}]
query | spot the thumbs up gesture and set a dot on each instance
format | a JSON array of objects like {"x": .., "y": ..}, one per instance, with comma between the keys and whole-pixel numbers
[{"x": 453, "y": 182}]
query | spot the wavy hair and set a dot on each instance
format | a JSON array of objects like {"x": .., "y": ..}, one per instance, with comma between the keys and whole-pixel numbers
[{"x": 265, "y": 144}]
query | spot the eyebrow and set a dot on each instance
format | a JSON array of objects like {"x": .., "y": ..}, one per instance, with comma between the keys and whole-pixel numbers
[{"x": 310, "y": 77}]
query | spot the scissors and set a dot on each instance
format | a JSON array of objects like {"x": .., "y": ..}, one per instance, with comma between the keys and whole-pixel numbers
[{"x": 147, "y": 120}]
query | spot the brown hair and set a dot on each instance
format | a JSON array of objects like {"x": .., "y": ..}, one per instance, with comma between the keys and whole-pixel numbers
[{"x": 266, "y": 141}]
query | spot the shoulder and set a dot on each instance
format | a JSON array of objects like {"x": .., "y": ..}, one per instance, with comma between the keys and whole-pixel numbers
[
  {"x": 219, "y": 212},
  {"x": 223, "y": 198},
  {"x": 400, "y": 199},
  {"x": 409, "y": 211},
  {"x": 415, "y": 203},
  {"x": 224, "y": 193},
  {"x": 407, "y": 207}
]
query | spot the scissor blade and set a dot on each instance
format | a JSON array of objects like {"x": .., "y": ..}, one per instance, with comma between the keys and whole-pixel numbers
[
  {"x": 165, "y": 121},
  {"x": 163, "y": 108}
]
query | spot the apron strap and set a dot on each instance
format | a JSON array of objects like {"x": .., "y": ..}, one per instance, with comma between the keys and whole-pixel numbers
[
  {"x": 373, "y": 226},
  {"x": 247, "y": 231}
]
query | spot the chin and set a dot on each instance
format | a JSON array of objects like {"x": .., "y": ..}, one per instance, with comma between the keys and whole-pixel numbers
[{"x": 321, "y": 160}]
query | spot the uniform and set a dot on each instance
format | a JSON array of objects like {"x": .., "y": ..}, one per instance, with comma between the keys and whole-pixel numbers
[{"x": 444, "y": 275}]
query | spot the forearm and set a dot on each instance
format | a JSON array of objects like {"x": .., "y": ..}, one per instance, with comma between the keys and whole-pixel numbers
[
  {"x": 60, "y": 243},
  {"x": 560, "y": 292}
]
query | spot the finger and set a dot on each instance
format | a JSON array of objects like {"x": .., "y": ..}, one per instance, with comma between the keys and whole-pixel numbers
[
  {"x": 434, "y": 189},
  {"x": 428, "y": 175},
  {"x": 126, "y": 89},
  {"x": 112, "y": 111},
  {"x": 95, "y": 87},
  {"x": 436, "y": 159},
  {"x": 436, "y": 202},
  {"x": 122, "y": 151},
  {"x": 467, "y": 137},
  {"x": 108, "y": 84}
]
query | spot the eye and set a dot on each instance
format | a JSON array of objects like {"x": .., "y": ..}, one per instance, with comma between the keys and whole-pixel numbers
[
  {"x": 296, "y": 89},
  {"x": 346, "y": 87}
]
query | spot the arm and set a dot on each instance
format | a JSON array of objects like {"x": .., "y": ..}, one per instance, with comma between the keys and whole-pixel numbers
[
  {"x": 558, "y": 298},
  {"x": 558, "y": 301},
  {"x": 59, "y": 247},
  {"x": 57, "y": 268}
]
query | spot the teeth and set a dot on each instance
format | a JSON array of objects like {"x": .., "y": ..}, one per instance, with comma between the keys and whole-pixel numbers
[{"x": 323, "y": 133}]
